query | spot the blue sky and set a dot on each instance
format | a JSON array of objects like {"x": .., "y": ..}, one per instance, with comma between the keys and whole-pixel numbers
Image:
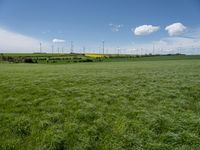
[{"x": 88, "y": 22}]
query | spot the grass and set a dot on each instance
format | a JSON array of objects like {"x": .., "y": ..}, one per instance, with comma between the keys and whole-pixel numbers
[{"x": 150, "y": 105}]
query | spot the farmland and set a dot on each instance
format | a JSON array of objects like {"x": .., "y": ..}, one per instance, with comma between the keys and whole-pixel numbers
[
  {"x": 58, "y": 58},
  {"x": 137, "y": 104}
]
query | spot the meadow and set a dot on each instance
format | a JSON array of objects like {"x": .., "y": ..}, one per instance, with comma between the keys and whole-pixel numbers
[{"x": 138, "y": 105}]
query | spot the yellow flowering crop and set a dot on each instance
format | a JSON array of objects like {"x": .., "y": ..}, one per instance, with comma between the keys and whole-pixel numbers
[{"x": 95, "y": 55}]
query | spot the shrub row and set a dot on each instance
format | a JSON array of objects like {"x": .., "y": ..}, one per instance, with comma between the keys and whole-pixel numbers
[{"x": 20, "y": 59}]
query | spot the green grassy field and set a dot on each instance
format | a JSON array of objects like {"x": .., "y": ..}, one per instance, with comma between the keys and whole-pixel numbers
[{"x": 150, "y": 105}]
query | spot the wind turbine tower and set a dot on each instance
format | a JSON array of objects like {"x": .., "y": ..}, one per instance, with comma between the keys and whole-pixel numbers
[
  {"x": 72, "y": 47},
  {"x": 40, "y": 47},
  {"x": 103, "y": 46}
]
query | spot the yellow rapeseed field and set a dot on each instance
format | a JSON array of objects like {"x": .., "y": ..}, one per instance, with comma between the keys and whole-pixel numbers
[{"x": 95, "y": 55}]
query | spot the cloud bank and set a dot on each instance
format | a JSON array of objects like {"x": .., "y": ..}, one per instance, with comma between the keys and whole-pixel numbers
[
  {"x": 175, "y": 29},
  {"x": 15, "y": 42},
  {"x": 145, "y": 30},
  {"x": 169, "y": 45}
]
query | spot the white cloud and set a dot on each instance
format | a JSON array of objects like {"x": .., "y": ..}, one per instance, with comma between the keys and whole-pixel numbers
[
  {"x": 115, "y": 28},
  {"x": 145, "y": 29},
  {"x": 175, "y": 29},
  {"x": 58, "y": 41},
  {"x": 16, "y": 42}
]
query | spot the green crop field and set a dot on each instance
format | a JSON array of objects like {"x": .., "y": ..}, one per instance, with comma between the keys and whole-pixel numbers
[{"x": 139, "y": 105}]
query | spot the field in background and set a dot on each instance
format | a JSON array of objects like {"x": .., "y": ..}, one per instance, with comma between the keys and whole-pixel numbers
[
  {"x": 48, "y": 58},
  {"x": 112, "y": 105}
]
